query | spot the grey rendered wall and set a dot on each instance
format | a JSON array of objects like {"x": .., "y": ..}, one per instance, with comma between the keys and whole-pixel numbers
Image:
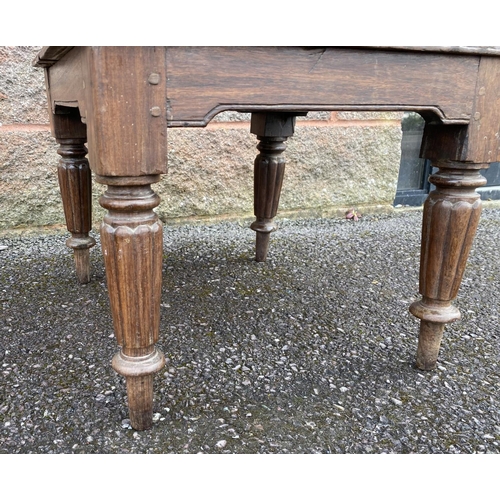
[{"x": 334, "y": 161}]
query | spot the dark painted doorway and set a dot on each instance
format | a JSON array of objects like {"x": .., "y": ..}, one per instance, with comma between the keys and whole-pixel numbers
[{"x": 413, "y": 185}]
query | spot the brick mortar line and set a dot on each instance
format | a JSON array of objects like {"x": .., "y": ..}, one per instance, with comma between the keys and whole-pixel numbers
[
  {"x": 25, "y": 127},
  {"x": 310, "y": 123}
]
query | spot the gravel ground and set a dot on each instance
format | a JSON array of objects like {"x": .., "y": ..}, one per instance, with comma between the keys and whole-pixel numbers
[{"x": 311, "y": 352}]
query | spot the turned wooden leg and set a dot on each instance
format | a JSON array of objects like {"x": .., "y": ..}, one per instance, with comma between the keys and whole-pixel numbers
[
  {"x": 272, "y": 130},
  {"x": 75, "y": 183},
  {"x": 450, "y": 219},
  {"x": 132, "y": 243}
]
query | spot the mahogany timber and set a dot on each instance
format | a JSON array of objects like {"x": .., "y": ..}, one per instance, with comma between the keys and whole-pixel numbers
[
  {"x": 132, "y": 243},
  {"x": 450, "y": 219},
  {"x": 272, "y": 130},
  {"x": 123, "y": 99},
  {"x": 206, "y": 80},
  {"x": 75, "y": 184},
  {"x": 480, "y": 141},
  {"x": 112, "y": 82}
]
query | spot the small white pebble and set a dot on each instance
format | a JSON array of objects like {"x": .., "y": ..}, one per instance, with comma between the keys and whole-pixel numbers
[
  {"x": 126, "y": 424},
  {"x": 221, "y": 444}
]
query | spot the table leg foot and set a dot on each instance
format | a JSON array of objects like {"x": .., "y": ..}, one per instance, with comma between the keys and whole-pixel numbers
[
  {"x": 450, "y": 219},
  {"x": 138, "y": 372},
  {"x": 140, "y": 399},
  {"x": 429, "y": 342},
  {"x": 82, "y": 264},
  {"x": 132, "y": 242},
  {"x": 433, "y": 315},
  {"x": 272, "y": 130},
  {"x": 261, "y": 246}
]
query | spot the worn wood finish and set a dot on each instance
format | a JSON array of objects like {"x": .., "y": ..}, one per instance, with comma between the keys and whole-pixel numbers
[
  {"x": 132, "y": 242},
  {"x": 206, "y": 80},
  {"x": 454, "y": 86},
  {"x": 128, "y": 96},
  {"x": 479, "y": 142},
  {"x": 75, "y": 184},
  {"x": 450, "y": 219},
  {"x": 117, "y": 90},
  {"x": 272, "y": 130},
  {"x": 48, "y": 56}
]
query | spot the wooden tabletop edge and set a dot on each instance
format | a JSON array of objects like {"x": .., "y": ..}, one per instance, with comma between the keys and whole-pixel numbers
[{"x": 47, "y": 56}]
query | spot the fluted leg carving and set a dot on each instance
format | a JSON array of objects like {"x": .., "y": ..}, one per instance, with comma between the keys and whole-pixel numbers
[
  {"x": 450, "y": 219},
  {"x": 272, "y": 130},
  {"x": 75, "y": 183},
  {"x": 132, "y": 242},
  {"x": 269, "y": 168}
]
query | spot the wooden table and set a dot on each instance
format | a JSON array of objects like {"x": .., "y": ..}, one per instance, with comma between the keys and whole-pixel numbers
[{"x": 120, "y": 101}]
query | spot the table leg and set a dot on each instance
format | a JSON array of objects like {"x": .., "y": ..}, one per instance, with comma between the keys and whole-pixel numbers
[
  {"x": 272, "y": 130},
  {"x": 132, "y": 242},
  {"x": 450, "y": 219},
  {"x": 75, "y": 183}
]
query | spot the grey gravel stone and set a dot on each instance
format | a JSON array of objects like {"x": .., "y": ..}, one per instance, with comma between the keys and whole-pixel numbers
[{"x": 332, "y": 292}]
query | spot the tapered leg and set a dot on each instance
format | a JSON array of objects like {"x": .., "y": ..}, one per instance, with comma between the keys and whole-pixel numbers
[
  {"x": 272, "y": 130},
  {"x": 132, "y": 243},
  {"x": 450, "y": 219},
  {"x": 75, "y": 184}
]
